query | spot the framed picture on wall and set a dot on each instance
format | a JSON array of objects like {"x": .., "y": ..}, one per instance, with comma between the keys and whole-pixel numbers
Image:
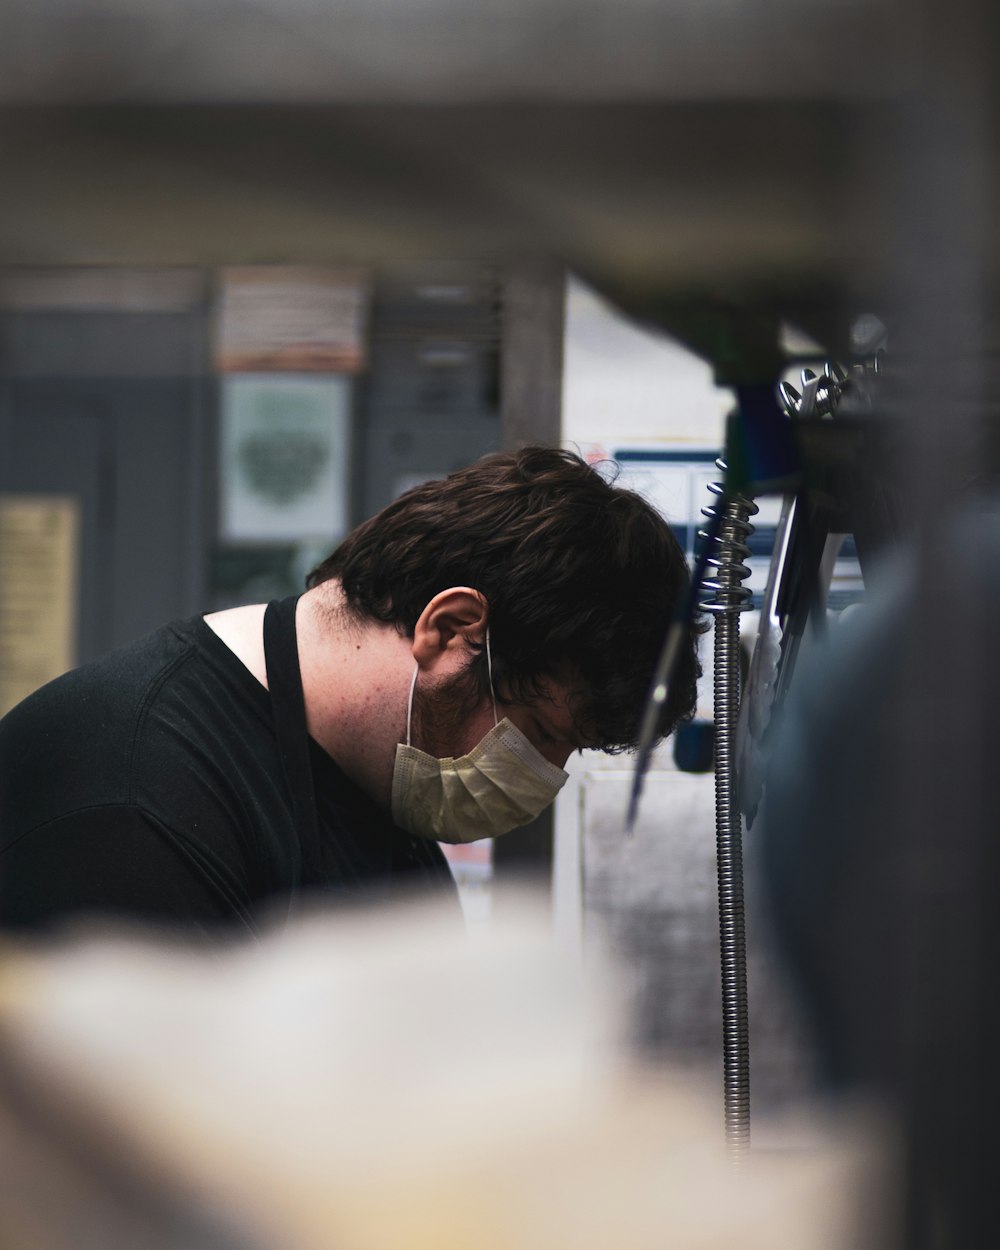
[{"x": 285, "y": 457}]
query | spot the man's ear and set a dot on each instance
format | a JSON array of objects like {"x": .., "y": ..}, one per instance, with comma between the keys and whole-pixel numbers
[{"x": 452, "y": 620}]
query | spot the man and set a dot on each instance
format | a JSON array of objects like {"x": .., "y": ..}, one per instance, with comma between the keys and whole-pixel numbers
[{"x": 430, "y": 685}]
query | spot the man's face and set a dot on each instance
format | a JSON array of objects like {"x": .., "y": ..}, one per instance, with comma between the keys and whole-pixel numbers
[{"x": 453, "y": 717}]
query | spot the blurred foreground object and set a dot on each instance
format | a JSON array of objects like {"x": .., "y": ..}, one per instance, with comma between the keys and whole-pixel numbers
[
  {"x": 881, "y": 855},
  {"x": 645, "y": 145},
  {"x": 368, "y": 1083}
]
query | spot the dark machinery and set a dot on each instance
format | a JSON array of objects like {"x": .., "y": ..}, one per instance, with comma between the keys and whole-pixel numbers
[{"x": 821, "y": 503}]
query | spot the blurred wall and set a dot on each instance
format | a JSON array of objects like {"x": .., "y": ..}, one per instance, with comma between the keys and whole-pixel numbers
[{"x": 106, "y": 399}]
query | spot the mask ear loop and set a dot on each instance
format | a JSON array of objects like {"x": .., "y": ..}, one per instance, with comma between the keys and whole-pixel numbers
[
  {"x": 409, "y": 704},
  {"x": 489, "y": 669},
  {"x": 413, "y": 686}
]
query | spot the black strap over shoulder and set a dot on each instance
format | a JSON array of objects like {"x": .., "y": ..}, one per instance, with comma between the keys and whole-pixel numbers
[{"x": 284, "y": 680}]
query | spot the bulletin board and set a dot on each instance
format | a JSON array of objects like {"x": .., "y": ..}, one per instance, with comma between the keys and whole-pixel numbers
[{"x": 39, "y": 574}]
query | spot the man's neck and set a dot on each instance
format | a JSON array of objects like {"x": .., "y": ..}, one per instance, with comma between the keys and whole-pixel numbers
[
  {"x": 354, "y": 677},
  {"x": 354, "y": 680}
]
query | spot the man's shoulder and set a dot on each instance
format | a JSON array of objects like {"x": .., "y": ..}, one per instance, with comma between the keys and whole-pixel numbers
[
  {"x": 69, "y": 744},
  {"x": 109, "y": 684}
]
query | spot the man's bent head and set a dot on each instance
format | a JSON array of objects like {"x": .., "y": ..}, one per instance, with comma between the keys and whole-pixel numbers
[{"x": 581, "y": 578}]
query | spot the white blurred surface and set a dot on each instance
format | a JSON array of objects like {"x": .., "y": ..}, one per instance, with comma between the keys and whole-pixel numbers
[
  {"x": 372, "y": 1082},
  {"x": 625, "y": 385}
]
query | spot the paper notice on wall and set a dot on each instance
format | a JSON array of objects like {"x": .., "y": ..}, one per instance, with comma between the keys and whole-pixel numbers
[
  {"x": 290, "y": 319},
  {"x": 285, "y": 458},
  {"x": 39, "y": 545}
]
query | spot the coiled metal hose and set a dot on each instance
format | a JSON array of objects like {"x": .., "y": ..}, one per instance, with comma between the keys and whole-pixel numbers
[{"x": 728, "y": 599}]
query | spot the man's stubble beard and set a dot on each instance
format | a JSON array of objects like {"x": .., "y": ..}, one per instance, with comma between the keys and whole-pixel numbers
[{"x": 441, "y": 713}]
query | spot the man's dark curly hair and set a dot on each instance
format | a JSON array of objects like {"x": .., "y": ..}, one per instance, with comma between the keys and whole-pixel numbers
[{"x": 581, "y": 578}]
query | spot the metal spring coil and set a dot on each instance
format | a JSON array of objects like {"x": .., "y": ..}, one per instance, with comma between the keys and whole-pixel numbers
[
  {"x": 729, "y": 595},
  {"x": 729, "y": 598}
]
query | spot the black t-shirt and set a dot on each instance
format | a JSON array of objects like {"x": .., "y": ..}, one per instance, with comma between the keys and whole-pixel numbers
[{"x": 148, "y": 785}]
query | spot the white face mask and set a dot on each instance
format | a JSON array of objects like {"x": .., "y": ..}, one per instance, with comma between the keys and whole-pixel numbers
[{"x": 502, "y": 783}]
